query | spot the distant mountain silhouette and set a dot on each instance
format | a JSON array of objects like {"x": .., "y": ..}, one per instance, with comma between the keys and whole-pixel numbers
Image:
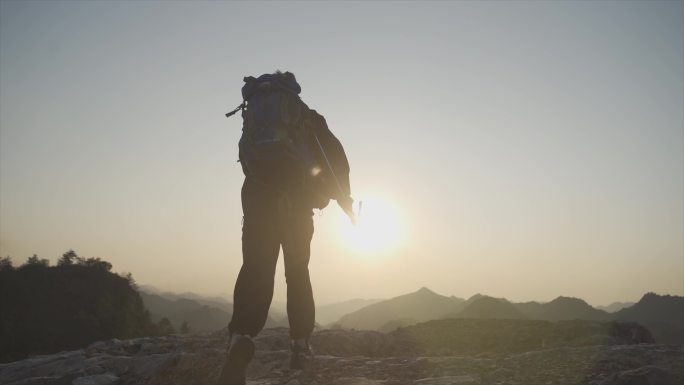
[
  {"x": 615, "y": 306},
  {"x": 560, "y": 309},
  {"x": 422, "y": 305},
  {"x": 200, "y": 317},
  {"x": 396, "y": 324},
  {"x": 663, "y": 315},
  {"x": 201, "y": 313},
  {"x": 531, "y": 310},
  {"x": 214, "y": 301},
  {"x": 474, "y": 298},
  {"x": 425, "y": 305},
  {"x": 567, "y": 308},
  {"x": 485, "y": 307},
  {"x": 217, "y": 302},
  {"x": 326, "y": 314}
]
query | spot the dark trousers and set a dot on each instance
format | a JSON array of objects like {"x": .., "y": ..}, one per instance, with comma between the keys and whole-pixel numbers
[{"x": 271, "y": 220}]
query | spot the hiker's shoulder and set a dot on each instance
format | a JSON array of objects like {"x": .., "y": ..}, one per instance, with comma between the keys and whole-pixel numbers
[
  {"x": 316, "y": 114},
  {"x": 316, "y": 117}
]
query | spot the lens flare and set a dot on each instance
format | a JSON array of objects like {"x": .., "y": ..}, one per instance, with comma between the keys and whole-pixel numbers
[{"x": 378, "y": 230}]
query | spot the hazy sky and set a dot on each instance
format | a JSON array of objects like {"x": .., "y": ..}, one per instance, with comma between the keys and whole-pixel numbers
[{"x": 528, "y": 149}]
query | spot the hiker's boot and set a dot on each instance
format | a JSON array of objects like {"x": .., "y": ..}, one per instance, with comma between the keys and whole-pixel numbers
[
  {"x": 301, "y": 355},
  {"x": 240, "y": 353}
]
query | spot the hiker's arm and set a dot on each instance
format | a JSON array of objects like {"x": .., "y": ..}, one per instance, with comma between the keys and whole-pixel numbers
[{"x": 338, "y": 161}]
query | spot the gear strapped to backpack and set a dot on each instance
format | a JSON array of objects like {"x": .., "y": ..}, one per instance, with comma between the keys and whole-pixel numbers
[{"x": 284, "y": 143}]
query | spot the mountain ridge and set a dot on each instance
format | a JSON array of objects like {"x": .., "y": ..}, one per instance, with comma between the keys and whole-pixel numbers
[
  {"x": 662, "y": 314},
  {"x": 421, "y": 305}
]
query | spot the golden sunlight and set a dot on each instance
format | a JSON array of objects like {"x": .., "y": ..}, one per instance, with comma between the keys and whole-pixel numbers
[{"x": 378, "y": 229}]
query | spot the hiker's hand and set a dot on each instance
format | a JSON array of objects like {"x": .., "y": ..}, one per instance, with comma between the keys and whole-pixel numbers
[{"x": 346, "y": 204}]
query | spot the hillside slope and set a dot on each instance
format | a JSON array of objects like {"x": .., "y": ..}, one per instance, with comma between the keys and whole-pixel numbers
[
  {"x": 485, "y": 307},
  {"x": 200, "y": 317},
  {"x": 326, "y": 314},
  {"x": 419, "y": 306},
  {"x": 362, "y": 358},
  {"x": 662, "y": 314},
  {"x": 568, "y": 308}
]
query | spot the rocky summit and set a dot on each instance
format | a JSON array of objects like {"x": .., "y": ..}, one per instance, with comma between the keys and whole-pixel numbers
[{"x": 348, "y": 357}]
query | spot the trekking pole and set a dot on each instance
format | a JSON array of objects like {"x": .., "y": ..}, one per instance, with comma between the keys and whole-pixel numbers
[
  {"x": 240, "y": 107},
  {"x": 332, "y": 172}
]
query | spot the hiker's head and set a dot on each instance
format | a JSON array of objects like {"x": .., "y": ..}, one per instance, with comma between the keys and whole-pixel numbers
[
  {"x": 283, "y": 80},
  {"x": 287, "y": 75}
]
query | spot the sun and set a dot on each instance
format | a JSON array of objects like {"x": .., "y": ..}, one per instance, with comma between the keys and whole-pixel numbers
[{"x": 378, "y": 230}]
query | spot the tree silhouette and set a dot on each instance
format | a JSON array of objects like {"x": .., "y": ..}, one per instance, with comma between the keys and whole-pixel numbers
[
  {"x": 68, "y": 258},
  {"x": 6, "y": 263},
  {"x": 35, "y": 261},
  {"x": 45, "y": 309}
]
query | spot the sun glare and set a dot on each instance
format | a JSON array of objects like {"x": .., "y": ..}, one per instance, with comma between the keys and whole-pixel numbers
[{"x": 378, "y": 229}]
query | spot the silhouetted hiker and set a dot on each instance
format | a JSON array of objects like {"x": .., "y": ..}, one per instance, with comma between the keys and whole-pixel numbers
[{"x": 292, "y": 164}]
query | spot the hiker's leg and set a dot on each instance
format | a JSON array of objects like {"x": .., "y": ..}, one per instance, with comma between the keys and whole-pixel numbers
[
  {"x": 260, "y": 247},
  {"x": 296, "y": 252}
]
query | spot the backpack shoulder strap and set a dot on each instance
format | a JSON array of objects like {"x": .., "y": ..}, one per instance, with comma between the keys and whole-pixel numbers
[{"x": 332, "y": 151}]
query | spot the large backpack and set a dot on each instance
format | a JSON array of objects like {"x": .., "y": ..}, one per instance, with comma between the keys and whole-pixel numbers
[{"x": 279, "y": 147}]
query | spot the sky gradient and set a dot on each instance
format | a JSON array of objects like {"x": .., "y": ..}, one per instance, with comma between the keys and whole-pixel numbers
[{"x": 530, "y": 149}]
